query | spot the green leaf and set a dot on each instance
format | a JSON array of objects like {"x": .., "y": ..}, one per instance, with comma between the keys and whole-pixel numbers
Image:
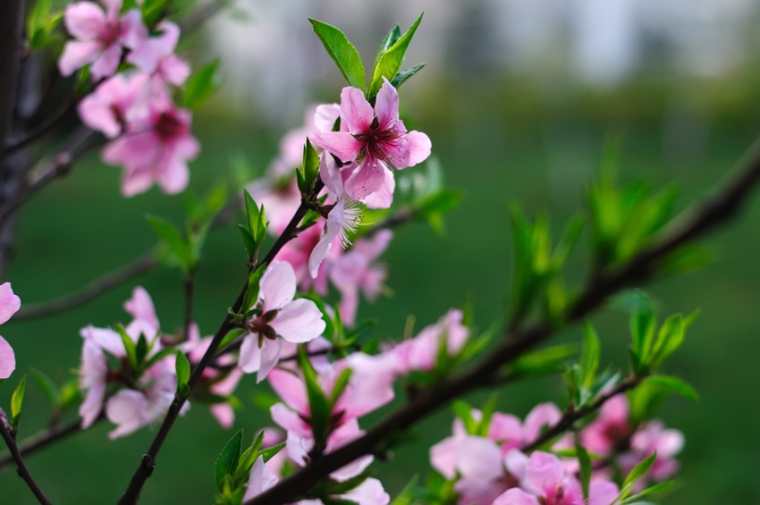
[
  {"x": 670, "y": 337},
  {"x": 182, "y": 367},
  {"x": 340, "y": 386},
  {"x": 309, "y": 170},
  {"x": 642, "y": 327},
  {"x": 671, "y": 384},
  {"x": 405, "y": 75},
  {"x": 141, "y": 349},
  {"x": 41, "y": 23},
  {"x": 319, "y": 405},
  {"x": 201, "y": 85},
  {"x": 585, "y": 462},
  {"x": 17, "y": 401},
  {"x": 47, "y": 385},
  {"x": 153, "y": 11},
  {"x": 342, "y": 51},
  {"x": 406, "y": 496},
  {"x": 389, "y": 60},
  {"x": 392, "y": 36},
  {"x": 663, "y": 487},
  {"x": 129, "y": 346},
  {"x": 257, "y": 221},
  {"x": 463, "y": 411},
  {"x": 590, "y": 355},
  {"x": 226, "y": 462},
  {"x": 634, "y": 475},
  {"x": 176, "y": 248},
  {"x": 544, "y": 361},
  {"x": 249, "y": 455},
  {"x": 248, "y": 241}
]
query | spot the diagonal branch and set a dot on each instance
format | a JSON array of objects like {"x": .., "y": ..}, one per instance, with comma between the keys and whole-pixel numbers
[
  {"x": 44, "y": 439},
  {"x": 145, "y": 469},
  {"x": 10, "y": 440},
  {"x": 712, "y": 213},
  {"x": 91, "y": 291}
]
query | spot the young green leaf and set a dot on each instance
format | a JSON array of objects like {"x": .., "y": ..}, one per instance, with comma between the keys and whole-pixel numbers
[
  {"x": 671, "y": 384},
  {"x": 257, "y": 222},
  {"x": 309, "y": 170},
  {"x": 129, "y": 346},
  {"x": 201, "y": 84},
  {"x": 405, "y": 75},
  {"x": 389, "y": 60},
  {"x": 17, "y": 400},
  {"x": 635, "y": 474},
  {"x": 319, "y": 405},
  {"x": 342, "y": 51},
  {"x": 585, "y": 471},
  {"x": 176, "y": 248},
  {"x": 47, "y": 385},
  {"x": 227, "y": 461},
  {"x": 182, "y": 367},
  {"x": 544, "y": 361},
  {"x": 590, "y": 355}
]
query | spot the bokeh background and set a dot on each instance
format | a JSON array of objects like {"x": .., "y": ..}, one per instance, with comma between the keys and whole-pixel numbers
[{"x": 519, "y": 98}]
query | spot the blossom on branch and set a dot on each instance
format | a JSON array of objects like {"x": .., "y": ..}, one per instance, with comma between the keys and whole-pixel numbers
[
  {"x": 373, "y": 141},
  {"x": 101, "y": 36},
  {"x": 10, "y": 303},
  {"x": 279, "y": 317}
]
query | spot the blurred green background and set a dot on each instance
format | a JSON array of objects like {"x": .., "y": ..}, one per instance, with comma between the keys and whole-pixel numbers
[{"x": 508, "y": 136}]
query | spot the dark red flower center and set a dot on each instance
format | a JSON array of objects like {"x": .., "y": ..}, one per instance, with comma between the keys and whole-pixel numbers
[{"x": 168, "y": 126}]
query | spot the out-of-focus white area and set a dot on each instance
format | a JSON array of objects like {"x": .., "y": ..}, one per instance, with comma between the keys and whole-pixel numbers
[{"x": 272, "y": 58}]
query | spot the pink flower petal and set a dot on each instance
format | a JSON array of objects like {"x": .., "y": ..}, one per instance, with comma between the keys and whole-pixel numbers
[
  {"x": 516, "y": 496},
  {"x": 355, "y": 111},
  {"x": 343, "y": 145},
  {"x": 261, "y": 479},
  {"x": 602, "y": 492},
  {"x": 299, "y": 321},
  {"x": 140, "y": 306},
  {"x": 106, "y": 63},
  {"x": 418, "y": 146},
  {"x": 84, "y": 20},
  {"x": 368, "y": 177},
  {"x": 270, "y": 355},
  {"x": 277, "y": 286},
  {"x": 77, "y": 54},
  {"x": 250, "y": 354},
  {"x": 325, "y": 116},
  {"x": 125, "y": 409},
  {"x": 291, "y": 389},
  {"x": 7, "y": 359},
  {"x": 369, "y": 492},
  {"x": 386, "y": 106},
  {"x": 9, "y": 302}
]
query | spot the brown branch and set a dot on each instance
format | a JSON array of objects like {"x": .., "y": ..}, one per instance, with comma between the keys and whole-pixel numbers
[
  {"x": 91, "y": 291},
  {"x": 570, "y": 417},
  {"x": 7, "y": 432},
  {"x": 148, "y": 461},
  {"x": 716, "y": 210},
  {"x": 44, "y": 439}
]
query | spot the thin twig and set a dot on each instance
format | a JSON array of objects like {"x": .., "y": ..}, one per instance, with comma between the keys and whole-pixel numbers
[
  {"x": 716, "y": 210},
  {"x": 44, "y": 439},
  {"x": 91, "y": 291},
  {"x": 148, "y": 461},
  {"x": 572, "y": 416},
  {"x": 7, "y": 432}
]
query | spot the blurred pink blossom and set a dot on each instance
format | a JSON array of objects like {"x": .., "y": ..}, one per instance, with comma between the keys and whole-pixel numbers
[
  {"x": 10, "y": 303},
  {"x": 100, "y": 37}
]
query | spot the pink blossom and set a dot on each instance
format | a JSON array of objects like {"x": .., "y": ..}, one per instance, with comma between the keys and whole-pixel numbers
[
  {"x": 155, "y": 149},
  {"x": 297, "y": 252},
  {"x": 609, "y": 428},
  {"x": 107, "y": 109},
  {"x": 419, "y": 353},
  {"x": 100, "y": 37},
  {"x": 155, "y": 55},
  {"x": 10, "y": 303},
  {"x": 342, "y": 218},
  {"x": 476, "y": 463},
  {"x": 654, "y": 437},
  {"x": 370, "y": 387},
  {"x": 279, "y": 317},
  {"x": 374, "y": 140},
  {"x": 546, "y": 479},
  {"x": 355, "y": 271},
  {"x": 140, "y": 401},
  {"x": 278, "y": 191},
  {"x": 221, "y": 384}
]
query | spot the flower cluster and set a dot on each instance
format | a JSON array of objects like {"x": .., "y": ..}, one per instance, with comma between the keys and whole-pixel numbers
[
  {"x": 150, "y": 136},
  {"x": 489, "y": 465},
  {"x": 131, "y": 391}
]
